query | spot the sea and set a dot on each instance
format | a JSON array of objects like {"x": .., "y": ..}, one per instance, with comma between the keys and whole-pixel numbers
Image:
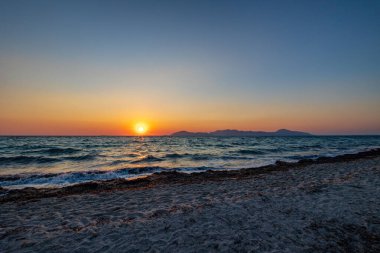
[{"x": 61, "y": 161}]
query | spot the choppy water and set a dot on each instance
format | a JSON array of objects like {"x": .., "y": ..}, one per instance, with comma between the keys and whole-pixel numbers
[{"x": 60, "y": 161}]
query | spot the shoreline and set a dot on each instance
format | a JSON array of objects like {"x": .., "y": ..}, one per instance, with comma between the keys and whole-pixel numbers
[
  {"x": 326, "y": 205},
  {"x": 172, "y": 177}
]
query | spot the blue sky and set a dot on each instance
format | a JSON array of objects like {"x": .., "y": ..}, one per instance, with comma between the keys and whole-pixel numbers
[{"x": 290, "y": 59}]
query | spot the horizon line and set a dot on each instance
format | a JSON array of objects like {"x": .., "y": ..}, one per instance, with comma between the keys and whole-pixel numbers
[{"x": 169, "y": 135}]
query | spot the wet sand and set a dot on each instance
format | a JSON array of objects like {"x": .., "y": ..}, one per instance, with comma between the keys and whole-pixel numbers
[{"x": 327, "y": 205}]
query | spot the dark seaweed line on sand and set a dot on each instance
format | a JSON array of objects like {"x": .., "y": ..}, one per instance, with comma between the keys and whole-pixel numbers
[{"x": 173, "y": 177}]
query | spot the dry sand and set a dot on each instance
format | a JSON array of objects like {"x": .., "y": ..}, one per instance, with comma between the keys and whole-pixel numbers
[{"x": 326, "y": 206}]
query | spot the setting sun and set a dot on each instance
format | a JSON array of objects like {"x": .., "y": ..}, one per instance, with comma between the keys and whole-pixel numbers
[{"x": 141, "y": 128}]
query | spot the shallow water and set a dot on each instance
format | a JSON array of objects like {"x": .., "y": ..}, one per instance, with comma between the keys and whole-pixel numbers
[{"x": 60, "y": 161}]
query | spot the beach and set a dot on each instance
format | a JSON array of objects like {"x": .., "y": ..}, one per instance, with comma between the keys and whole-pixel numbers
[
  {"x": 322, "y": 205},
  {"x": 189, "y": 126}
]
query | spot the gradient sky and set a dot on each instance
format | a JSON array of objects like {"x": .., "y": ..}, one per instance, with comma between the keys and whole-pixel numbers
[{"x": 97, "y": 67}]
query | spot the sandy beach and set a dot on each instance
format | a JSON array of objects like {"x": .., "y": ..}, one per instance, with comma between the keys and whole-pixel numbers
[
  {"x": 189, "y": 126},
  {"x": 325, "y": 205}
]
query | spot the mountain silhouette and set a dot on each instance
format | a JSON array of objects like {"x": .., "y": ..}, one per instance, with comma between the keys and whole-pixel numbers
[{"x": 231, "y": 132}]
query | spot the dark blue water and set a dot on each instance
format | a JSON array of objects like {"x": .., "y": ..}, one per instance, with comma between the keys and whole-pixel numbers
[{"x": 60, "y": 161}]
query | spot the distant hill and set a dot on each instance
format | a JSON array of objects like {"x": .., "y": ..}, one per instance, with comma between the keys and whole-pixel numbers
[{"x": 229, "y": 132}]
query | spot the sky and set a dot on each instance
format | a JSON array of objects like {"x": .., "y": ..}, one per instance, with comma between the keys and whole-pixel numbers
[{"x": 100, "y": 67}]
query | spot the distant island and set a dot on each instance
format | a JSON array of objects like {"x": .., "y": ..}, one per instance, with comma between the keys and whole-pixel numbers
[{"x": 238, "y": 133}]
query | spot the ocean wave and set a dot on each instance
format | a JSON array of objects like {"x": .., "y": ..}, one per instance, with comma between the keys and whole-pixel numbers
[
  {"x": 75, "y": 177},
  {"x": 194, "y": 157},
  {"x": 117, "y": 162},
  {"x": 131, "y": 155},
  {"x": 200, "y": 157},
  {"x": 55, "y": 179},
  {"x": 52, "y": 151},
  {"x": 60, "y": 151},
  {"x": 275, "y": 150},
  {"x": 32, "y": 146},
  {"x": 222, "y": 145},
  {"x": 139, "y": 156},
  {"x": 143, "y": 170},
  {"x": 250, "y": 152},
  {"x": 300, "y": 157},
  {"x": 176, "y": 155},
  {"x": 234, "y": 157},
  {"x": 66, "y": 178},
  {"x": 27, "y": 160},
  {"x": 118, "y": 145},
  {"x": 313, "y": 146},
  {"x": 148, "y": 158},
  {"x": 80, "y": 158}
]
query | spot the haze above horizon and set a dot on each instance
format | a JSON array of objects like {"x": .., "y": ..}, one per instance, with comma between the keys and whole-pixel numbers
[{"x": 104, "y": 67}]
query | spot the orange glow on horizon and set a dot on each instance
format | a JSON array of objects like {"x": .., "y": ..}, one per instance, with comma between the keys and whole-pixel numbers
[{"x": 24, "y": 112}]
